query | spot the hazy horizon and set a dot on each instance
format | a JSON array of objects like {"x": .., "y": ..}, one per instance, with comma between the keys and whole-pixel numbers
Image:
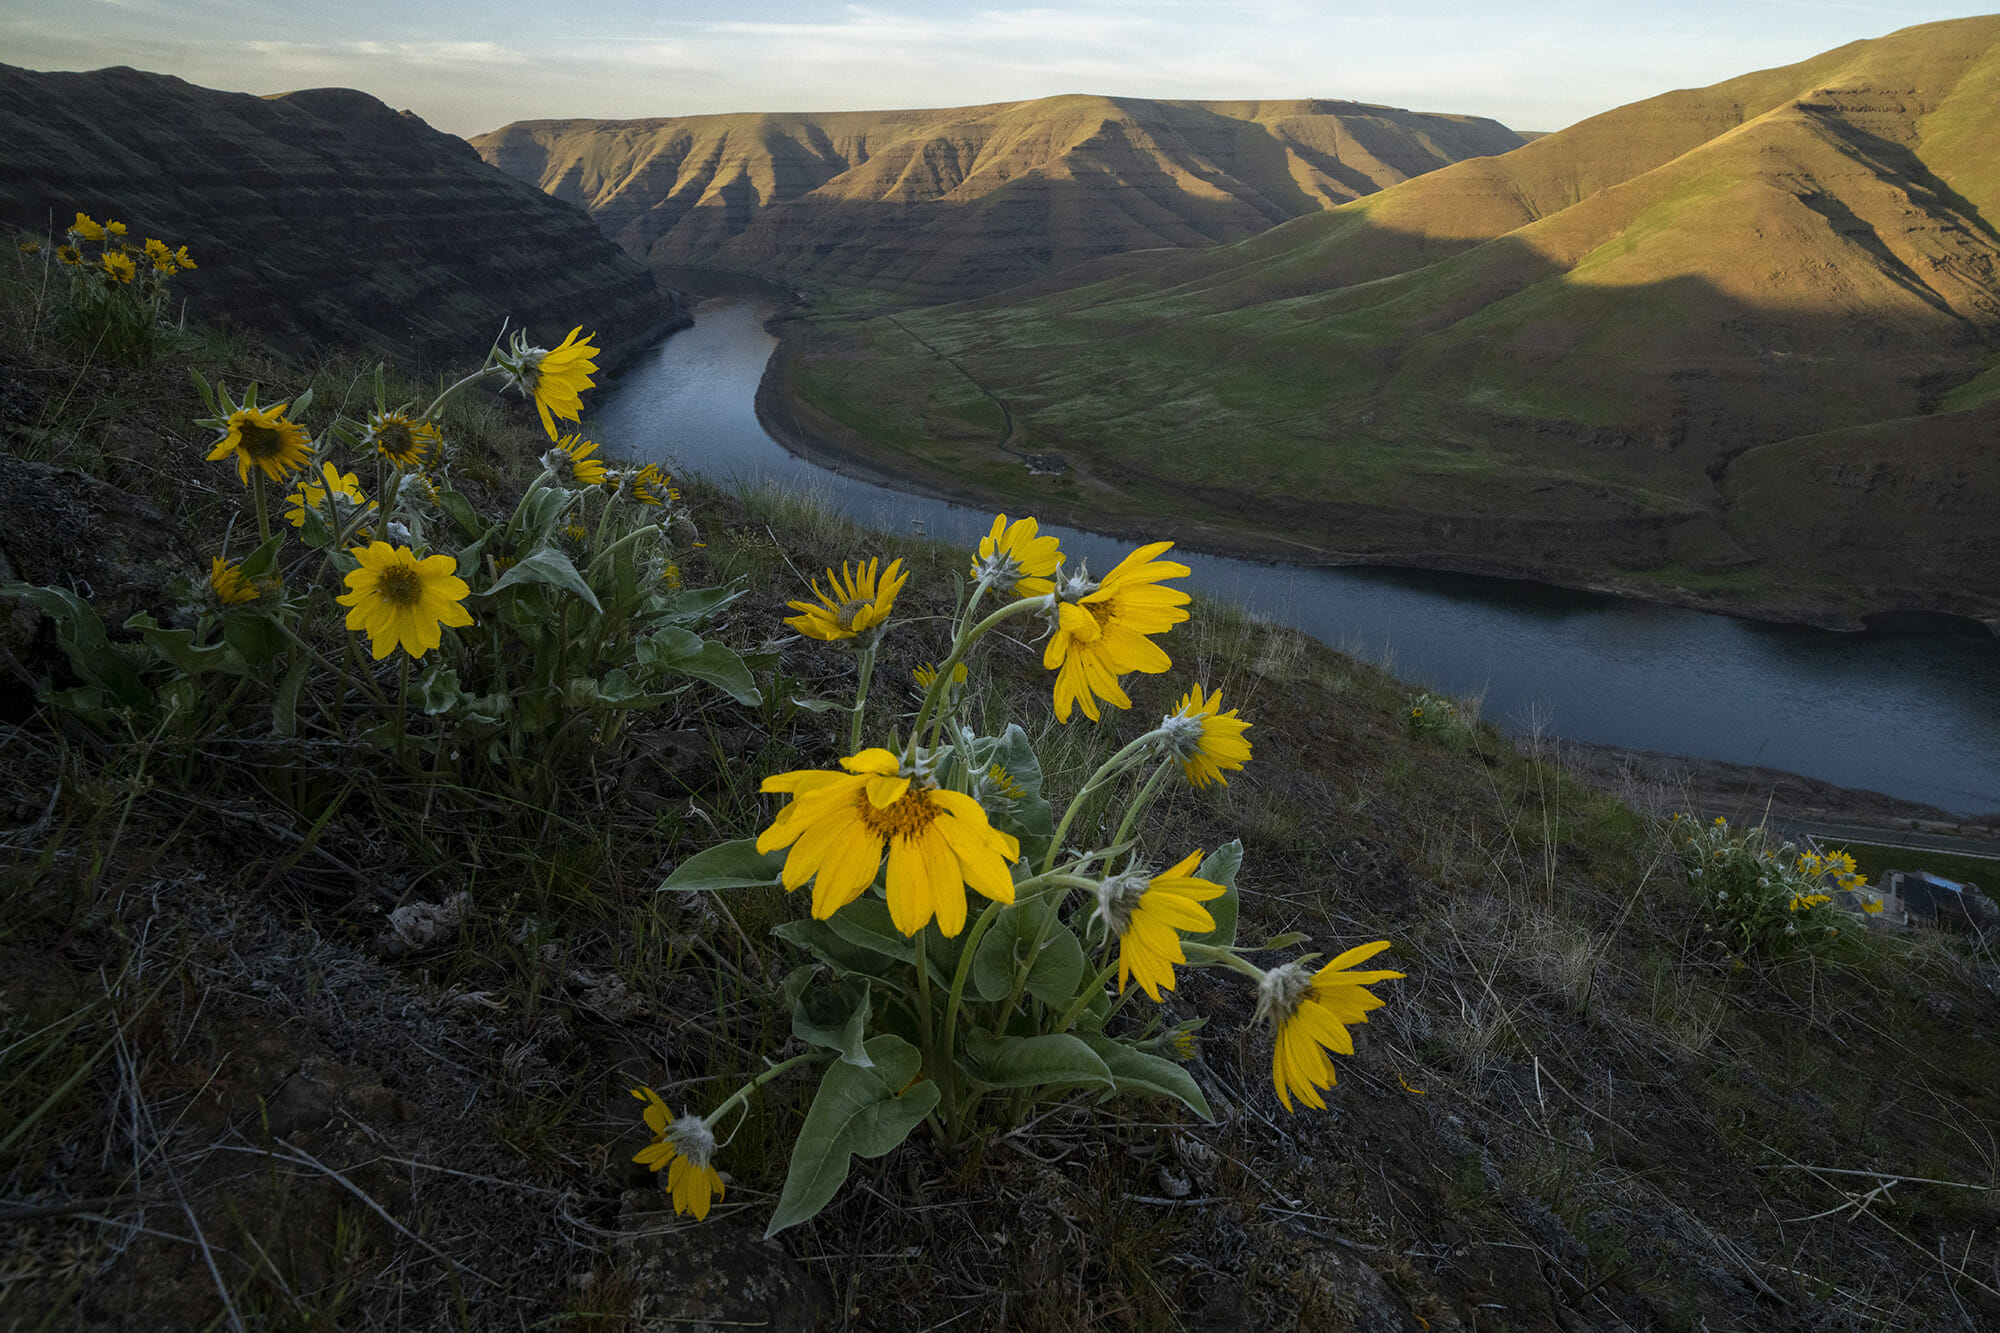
[{"x": 468, "y": 68}]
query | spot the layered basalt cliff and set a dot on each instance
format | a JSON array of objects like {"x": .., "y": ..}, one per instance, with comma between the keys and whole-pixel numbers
[
  {"x": 944, "y": 204},
  {"x": 320, "y": 218}
]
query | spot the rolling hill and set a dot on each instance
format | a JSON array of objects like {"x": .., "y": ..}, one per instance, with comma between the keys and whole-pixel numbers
[
  {"x": 945, "y": 204},
  {"x": 1735, "y": 345},
  {"x": 320, "y": 217}
]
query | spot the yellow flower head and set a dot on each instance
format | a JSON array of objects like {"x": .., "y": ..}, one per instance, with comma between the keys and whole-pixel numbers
[
  {"x": 183, "y": 258},
  {"x": 839, "y": 825},
  {"x": 685, "y": 1147},
  {"x": 862, "y": 597},
  {"x": 1872, "y": 906},
  {"x": 261, "y": 437},
  {"x": 650, "y": 486},
  {"x": 571, "y": 462},
  {"x": 229, "y": 583},
  {"x": 344, "y": 487},
  {"x": 162, "y": 257},
  {"x": 1311, "y": 1016},
  {"x": 1205, "y": 740},
  {"x": 926, "y": 675},
  {"x": 114, "y": 229},
  {"x": 1102, "y": 628},
  {"x": 86, "y": 228},
  {"x": 1149, "y": 915},
  {"x": 402, "y": 440},
  {"x": 69, "y": 254},
  {"x": 29, "y": 246},
  {"x": 671, "y": 577},
  {"x": 1015, "y": 559},
  {"x": 554, "y": 377},
  {"x": 402, "y": 601},
  {"x": 1805, "y": 902},
  {"x": 118, "y": 266}
]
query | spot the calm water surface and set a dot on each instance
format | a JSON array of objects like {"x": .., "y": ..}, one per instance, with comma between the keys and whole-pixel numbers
[{"x": 1912, "y": 711}]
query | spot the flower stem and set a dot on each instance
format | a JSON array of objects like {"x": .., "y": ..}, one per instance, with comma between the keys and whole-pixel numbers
[
  {"x": 443, "y": 397},
  {"x": 743, "y": 1093},
  {"x": 1142, "y": 800},
  {"x": 860, "y": 709},
  {"x": 263, "y": 510},
  {"x": 959, "y": 647},
  {"x": 1083, "y": 999},
  {"x": 1109, "y": 769}
]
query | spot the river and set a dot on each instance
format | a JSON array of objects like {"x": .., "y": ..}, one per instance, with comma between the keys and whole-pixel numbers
[{"x": 1910, "y": 710}]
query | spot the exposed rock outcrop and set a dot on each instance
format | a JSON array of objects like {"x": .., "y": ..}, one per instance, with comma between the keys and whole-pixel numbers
[{"x": 320, "y": 218}]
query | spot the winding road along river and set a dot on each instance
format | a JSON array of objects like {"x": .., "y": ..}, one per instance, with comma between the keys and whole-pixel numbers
[{"x": 1912, "y": 711}]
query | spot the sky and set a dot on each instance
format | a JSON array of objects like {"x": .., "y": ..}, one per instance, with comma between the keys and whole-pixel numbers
[{"x": 468, "y": 66}]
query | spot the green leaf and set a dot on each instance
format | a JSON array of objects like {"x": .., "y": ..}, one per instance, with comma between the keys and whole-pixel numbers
[
  {"x": 857, "y": 1112},
  {"x": 696, "y": 605},
  {"x": 460, "y": 511},
  {"x": 1022, "y": 811},
  {"x": 1152, "y": 1075},
  {"x": 81, "y": 636},
  {"x": 1220, "y": 867},
  {"x": 1058, "y": 968},
  {"x": 866, "y": 922},
  {"x": 257, "y": 638},
  {"x": 549, "y": 566},
  {"x": 682, "y": 650},
  {"x": 262, "y": 563},
  {"x": 844, "y": 956},
  {"x": 285, "y": 705},
  {"x": 178, "y": 646},
  {"x": 727, "y": 865},
  {"x": 836, "y": 1018},
  {"x": 1034, "y": 1062}
]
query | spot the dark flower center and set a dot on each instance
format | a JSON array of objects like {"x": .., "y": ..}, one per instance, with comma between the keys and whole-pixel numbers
[
  {"x": 400, "y": 586},
  {"x": 260, "y": 441},
  {"x": 905, "y": 817}
]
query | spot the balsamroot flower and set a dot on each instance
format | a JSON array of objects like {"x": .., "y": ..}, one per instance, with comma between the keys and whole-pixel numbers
[
  {"x": 1148, "y": 917},
  {"x": 839, "y": 825},
  {"x": 162, "y": 257},
  {"x": 1204, "y": 739},
  {"x": 343, "y": 487},
  {"x": 927, "y": 674},
  {"x": 554, "y": 377},
  {"x": 86, "y": 228},
  {"x": 402, "y": 601},
  {"x": 69, "y": 254},
  {"x": 261, "y": 437},
  {"x": 862, "y": 597},
  {"x": 232, "y": 587},
  {"x": 118, "y": 266},
  {"x": 650, "y": 486},
  {"x": 685, "y": 1147},
  {"x": 183, "y": 258},
  {"x": 401, "y": 440},
  {"x": 1102, "y": 628},
  {"x": 1311, "y": 1015},
  {"x": 1015, "y": 559},
  {"x": 570, "y": 462}
]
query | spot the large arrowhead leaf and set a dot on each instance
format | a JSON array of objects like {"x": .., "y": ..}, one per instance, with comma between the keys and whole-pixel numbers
[
  {"x": 1155, "y": 1076},
  {"x": 684, "y": 651},
  {"x": 835, "y": 1017},
  {"x": 727, "y": 865},
  {"x": 1220, "y": 867},
  {"x": 1034, "y": 1062},
  {"x": 1058, "y": 969},
  {"x": 546, "y": 565},
  {"x": 857, "y": 1112}
]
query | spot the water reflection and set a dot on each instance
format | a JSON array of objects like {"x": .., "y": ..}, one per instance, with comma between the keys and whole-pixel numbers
[{"x": 1911, "y": 707}]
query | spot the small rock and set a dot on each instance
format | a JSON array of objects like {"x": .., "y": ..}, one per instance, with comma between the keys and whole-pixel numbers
[{"x": 711, "y": 1277}]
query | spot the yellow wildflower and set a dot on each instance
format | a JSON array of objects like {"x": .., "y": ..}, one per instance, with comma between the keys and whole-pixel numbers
[
  {"x": 1102, "y": 629},
  {"x": 1016, "y": 559},
  {"x": 403, "y": 601},
  {"x": 1311, "y": 1017},
  {"x": 572, "y": 464},
  {"x": 554, "y": 377},
  {"x": 685, "y": 1147},
  {"x": 119, "y": 266},
  {"x": 183, "y": 258},
  {"x": 862, "y": 597},
  {"x": 839, "y": 825},
  {"x": 404, "y": 441},
  {"x": 231, "y": 586},
  {"x": 69, "y": 254},
  {"x": 926, "y": 675},
  {"x": 86, "y": 228},
  {"x": 1205, "y": 740},
  {"x": 345, "y": 487},
  {"x": 1148, "y": 915},
  {"x": 261, "y": 437},
  {"x": 650, "y": 486},
  {"x": 162, "y": 257}
]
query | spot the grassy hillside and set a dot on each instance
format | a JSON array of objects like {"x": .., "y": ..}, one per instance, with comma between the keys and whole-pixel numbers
[
  {"x": 1625, "y": 355},
  {"x": 313, "y": 1013},
  {"x": 939, "y": 205}
]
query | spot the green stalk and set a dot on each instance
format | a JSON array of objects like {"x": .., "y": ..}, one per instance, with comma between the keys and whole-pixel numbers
[
  {"x": 439, "y": 401},
  {"x": 402, "y": 710},
  {"x": 960, "y": 645},
  {"x": 743, "y": 1093},
  {"x": 855, "y": 714},
  {"x": 1142, "y": 800},
  {"x": 1082, "y": 1001},
  {"x": 1209, "y": 953},
  {"x": 263, "y": 511},
  {"x": 1109, "y": 769}
]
